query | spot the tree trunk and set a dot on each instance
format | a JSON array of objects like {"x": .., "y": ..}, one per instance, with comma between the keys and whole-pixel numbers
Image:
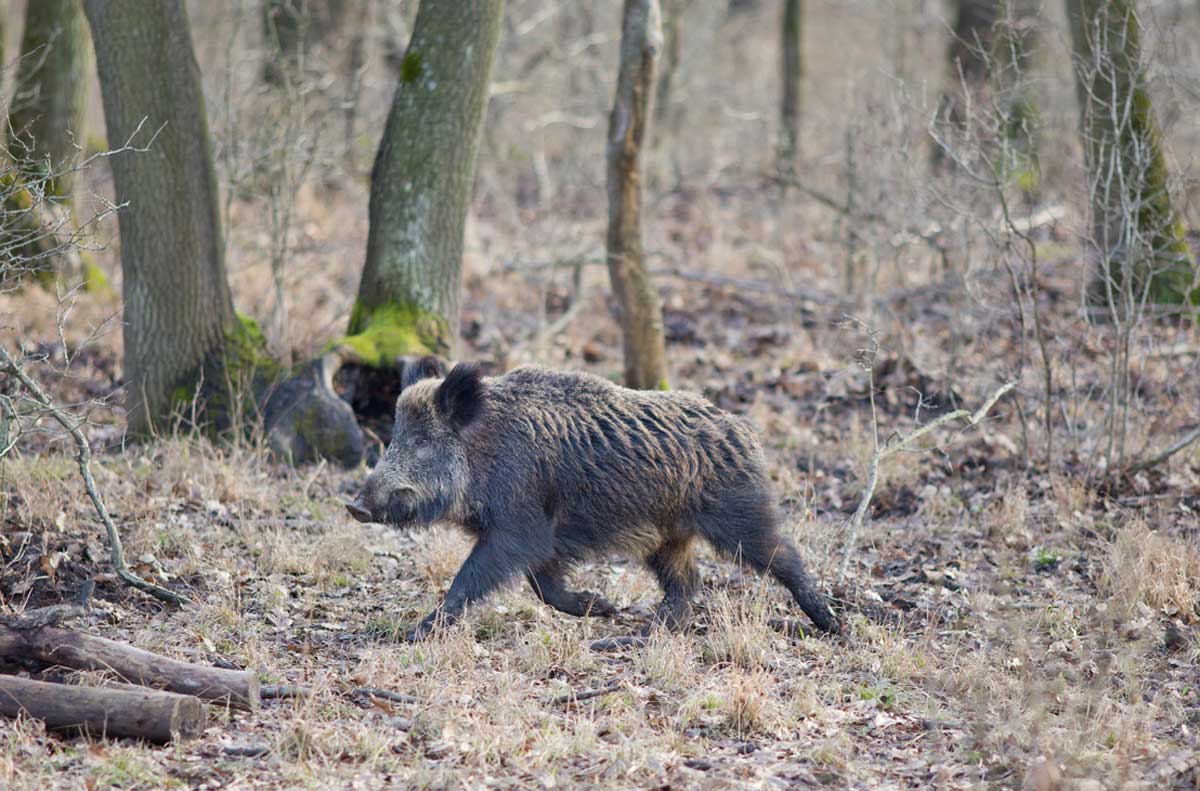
[
  {"x": 408, "y": 298},
  {"x": 99, "y": 712},
  {"x": 183, "y": 340},
  {"x": 793, "y": 73},
  {"x": 641, "y": 311},
  {"x": 178, "y": 308},
  {"x": 1137, "y": 239},
  {"x": 1016, "y": 40},
  {"x": 970, "y": 58},
  {"x": 672, "y": 25},
  {"x": 50, "y": 95}
]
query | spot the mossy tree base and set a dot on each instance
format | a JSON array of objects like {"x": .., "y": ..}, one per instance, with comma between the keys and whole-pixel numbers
[
  {"x": 307, "y": 421},
  {"x": 304, "y": 418}
]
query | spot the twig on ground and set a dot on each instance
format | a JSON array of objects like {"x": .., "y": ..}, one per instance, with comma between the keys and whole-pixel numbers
[
  {"x": 246, "y": 750},
  {"x": 282, "y": 691},
  {"x": 898, "y": 443},
  {"x": 1187, "y": 439},
  {"x": 627, "y": 641},
  {"x": 83, "y": 459},
  {"x": 384, "y": 694},
  {"x": 585, "y": 694}
]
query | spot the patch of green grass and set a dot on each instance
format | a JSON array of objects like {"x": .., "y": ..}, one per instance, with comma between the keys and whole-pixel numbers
[
  {"x": 126, "y": 770},
  {"x": 1046, "y": 558}
]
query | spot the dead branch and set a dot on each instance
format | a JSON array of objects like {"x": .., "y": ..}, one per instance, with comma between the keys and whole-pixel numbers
[
  {"x": 1187, "y": 439},
  {"x": 384, "y": 694},
  {"x": 104, "y": 711},
  {"x": 81, "y": 651},
  {"x": 83, "y": 459},
  {"x": 902, "y": 442},
  {"x": 283, "y": 691},
  {"x": 624, "y": 641},
  {"x": 573, "y": 697}
]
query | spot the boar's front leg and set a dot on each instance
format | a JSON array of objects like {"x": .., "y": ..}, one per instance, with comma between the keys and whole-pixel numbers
[
  {"x": 547, "y": 583},
  {"x": 495, "y": 560}
]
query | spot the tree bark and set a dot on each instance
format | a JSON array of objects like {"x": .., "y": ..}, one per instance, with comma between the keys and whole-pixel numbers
[
  {"x": 81, "y": 651},
  {"x": 1137, "y": 239},
  {"x": 183, "y": 340},
  {"x": 641, "y": 311},
  {"x": 178, "y": 308},
  {"x": 50, "y": 95},
  {"x": 408, "y": 298},
  {"x": 104, "y": 711},
  {"x": 793, "y": 73},
  {"x": 1016, "y": 39},
  {"x": 672, "y": 26}
]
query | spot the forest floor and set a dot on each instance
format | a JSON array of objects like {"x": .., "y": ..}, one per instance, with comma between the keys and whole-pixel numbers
[{"x": 1007, "y": 627}]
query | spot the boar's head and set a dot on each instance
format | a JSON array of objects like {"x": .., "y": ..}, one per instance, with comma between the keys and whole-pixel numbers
[{"x": 423, "y": 475}]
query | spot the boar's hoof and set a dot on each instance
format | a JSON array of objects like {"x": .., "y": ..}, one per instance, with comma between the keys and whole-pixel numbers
[{"x": 418, "y": 633}]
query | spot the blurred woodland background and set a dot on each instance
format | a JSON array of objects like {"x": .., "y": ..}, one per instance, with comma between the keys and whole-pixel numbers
[{"x": 229, "y": 226}]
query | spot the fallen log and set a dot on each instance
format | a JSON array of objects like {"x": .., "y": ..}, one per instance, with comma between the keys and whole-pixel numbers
[
  {"x": 152, "y": 715},
  {"x": 82, "y": 651}
]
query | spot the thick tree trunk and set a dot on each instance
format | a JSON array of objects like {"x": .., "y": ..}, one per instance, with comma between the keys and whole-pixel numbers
[
  {"x": 81, "y": 651},
  {"x": 1137, "y": 239},
  {"x": 641, "y": 311},
  {"x": 183, "y": 339},
  {"x": 408, "y": 299},
  {"x": 50, "y": 95},
  {"x": 792, "y": 62},
  {"x": 101, "y": 712},
  {"x": 178, "y": 308}
]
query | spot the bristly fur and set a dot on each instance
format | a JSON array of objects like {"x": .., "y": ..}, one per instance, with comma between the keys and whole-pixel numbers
[{"x": 546, "y": 468}]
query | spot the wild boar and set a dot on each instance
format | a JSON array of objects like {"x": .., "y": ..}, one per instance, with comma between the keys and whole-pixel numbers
[{"x": 546, "y": 468}]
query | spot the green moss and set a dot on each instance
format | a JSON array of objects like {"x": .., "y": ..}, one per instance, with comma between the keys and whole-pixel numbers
[
  {"x": 246, "y": 350},
  {"x": 383, "y": 334},
  {"x": 410, "y": 67},
  {"x": 94, "y": 279},
  {"x": 180, "y": 395},
  {"x": 663, "y": 384}
]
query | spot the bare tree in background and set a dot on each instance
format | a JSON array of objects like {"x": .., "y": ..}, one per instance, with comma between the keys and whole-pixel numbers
[
  {"x": 408, "y": 298},
  {"x": 1137, "y": 238},
  {"x": 970, "y": 60},
  {"x": 50, "y": 96},
  {"x": 1016, "y": 41},
  {"x": 792, "y": 62},
  {"x": 641, "y": 311},
  {"x": 292, "y": 28}
]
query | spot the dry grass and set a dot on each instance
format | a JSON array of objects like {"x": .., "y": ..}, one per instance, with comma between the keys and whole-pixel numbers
[{"x": 1006, "y": 629}]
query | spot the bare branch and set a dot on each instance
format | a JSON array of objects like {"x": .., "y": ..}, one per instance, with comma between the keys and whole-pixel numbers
[{"x": 83, "y": 459}]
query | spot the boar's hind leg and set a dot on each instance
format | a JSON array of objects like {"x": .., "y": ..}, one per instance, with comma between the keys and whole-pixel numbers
[
  {"x": 495, "y": 560},
  {"x": 547, "y": 583},
  {"x": 675, "y": 567},
  {"x": 747, "y": 529}
]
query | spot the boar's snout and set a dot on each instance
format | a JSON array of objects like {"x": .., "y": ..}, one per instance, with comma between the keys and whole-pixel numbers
[{"x": 360, "y": 513}]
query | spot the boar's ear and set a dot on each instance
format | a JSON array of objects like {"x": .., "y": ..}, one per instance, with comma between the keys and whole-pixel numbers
[
  {"x": 459, "y": 398},
  {"x": 418, "y": 368}
]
